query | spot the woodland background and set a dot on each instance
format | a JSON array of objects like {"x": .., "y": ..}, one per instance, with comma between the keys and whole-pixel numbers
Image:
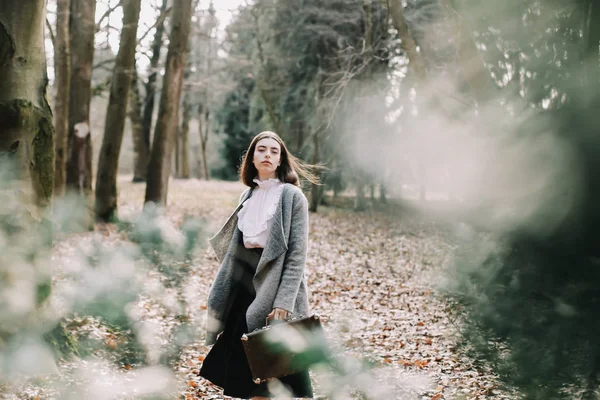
[{"x": 455, "y": 240}]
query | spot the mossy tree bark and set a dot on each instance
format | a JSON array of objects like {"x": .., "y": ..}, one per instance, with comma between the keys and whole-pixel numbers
[
  {"x": 108, "y": 163},
  {"x": 159, "y": 168},
  {"x": 26, "y": 128}
]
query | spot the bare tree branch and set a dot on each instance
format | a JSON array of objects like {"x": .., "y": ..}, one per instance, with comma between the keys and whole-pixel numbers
[
  {"x": 159, "y": 20},
  {"x": 107, "y": 14},
  {"x": 52, "y": 36},
  {"x": 103, "y": 63}
]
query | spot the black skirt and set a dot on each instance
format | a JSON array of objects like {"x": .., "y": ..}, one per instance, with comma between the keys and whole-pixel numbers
[{"x": 226, "y": 364}]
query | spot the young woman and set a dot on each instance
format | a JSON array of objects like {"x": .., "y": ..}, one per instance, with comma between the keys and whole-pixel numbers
[{"x": 262, "y": 249}]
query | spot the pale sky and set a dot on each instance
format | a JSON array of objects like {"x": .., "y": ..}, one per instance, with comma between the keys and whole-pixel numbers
[{"x": 225, "y": 9}]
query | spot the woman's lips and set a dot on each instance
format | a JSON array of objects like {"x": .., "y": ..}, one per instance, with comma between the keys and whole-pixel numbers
[{"x": 267, "y": 162}]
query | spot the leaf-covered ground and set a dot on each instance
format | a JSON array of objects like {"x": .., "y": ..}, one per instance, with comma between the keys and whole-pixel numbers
[{"x": 373, "y": 277}]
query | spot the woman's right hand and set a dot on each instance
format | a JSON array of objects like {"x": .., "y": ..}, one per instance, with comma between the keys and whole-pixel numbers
[{"x": 278, "y": 314}]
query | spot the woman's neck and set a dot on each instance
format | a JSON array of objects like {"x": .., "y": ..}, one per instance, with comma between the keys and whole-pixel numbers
[{"x": 263, "y": 178}]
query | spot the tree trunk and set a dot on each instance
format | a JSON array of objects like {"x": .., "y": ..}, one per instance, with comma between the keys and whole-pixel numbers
[
  {"x": 183, "y": 137},
  {"x": 166, "y": 125},
  {"x": 108, "y": 162},
  {"x": 26, "y": 129},
  {"x": 382, "y": 194},
  {"x": 204, "y": 111},
  {"x": 409, "y": 45},
  {"x": 473, "y": 70},
  {"x": 422, "y": 172},
  {"x": 315, "y": 192},
  {"x": 360, "y": 200},
  {"x": 79, "y": 158},
  {"x": 204, "y": 127},
  {"x": 298, "y": 132},
  {"x": 261, "y": 82},
  {"x": 176, "y": 153},
  {"x": 150, "y": 87},
  {"x": 416, "y": 62},
  {"x": 62, "y": 68},
  {"x": 140, "y": 148}
]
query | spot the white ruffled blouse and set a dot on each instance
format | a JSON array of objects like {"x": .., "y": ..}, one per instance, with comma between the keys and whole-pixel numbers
[{"x": 255, "y": 218}]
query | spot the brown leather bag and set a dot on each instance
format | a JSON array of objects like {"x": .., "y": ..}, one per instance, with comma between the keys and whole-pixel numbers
[{"x": 285, "y": 348}]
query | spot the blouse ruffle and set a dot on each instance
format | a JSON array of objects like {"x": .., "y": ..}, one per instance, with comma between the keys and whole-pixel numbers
[{"x": 259, "y": 209}]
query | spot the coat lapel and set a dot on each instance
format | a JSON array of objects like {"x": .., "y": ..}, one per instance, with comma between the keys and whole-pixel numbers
[
  {"x": 276, "y": 243},
  {"x": 221, "y": 241}
]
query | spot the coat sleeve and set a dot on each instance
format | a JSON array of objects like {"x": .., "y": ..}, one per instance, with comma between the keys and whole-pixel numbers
[{"x": 295, "y": 259}]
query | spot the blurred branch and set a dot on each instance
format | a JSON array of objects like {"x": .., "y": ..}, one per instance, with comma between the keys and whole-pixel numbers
[
  {"x": 159, "y": 20},
  {"x": 145, "y": 53},
  {"x": 107, "y": 14},
  {"x": 109, "y": 28},
  {"x": 103, "y": 63},
  {"x": 52, "y": 36}
]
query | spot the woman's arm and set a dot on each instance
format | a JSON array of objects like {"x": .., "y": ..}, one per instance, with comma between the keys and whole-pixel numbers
[{"x": 295, "y": 259}]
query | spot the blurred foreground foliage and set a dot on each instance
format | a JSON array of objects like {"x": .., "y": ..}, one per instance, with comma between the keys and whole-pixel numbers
[
  {"x": 530, "y": 290},
  {"x": 86, "y": 306},
  {"x": 113, "y": 313}
]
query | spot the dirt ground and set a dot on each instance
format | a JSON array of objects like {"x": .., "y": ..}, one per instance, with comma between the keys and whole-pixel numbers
[{"x": 373, "y": 276}]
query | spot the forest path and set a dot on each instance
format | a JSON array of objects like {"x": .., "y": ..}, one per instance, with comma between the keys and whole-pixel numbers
[{"x": 372, "y": 276}]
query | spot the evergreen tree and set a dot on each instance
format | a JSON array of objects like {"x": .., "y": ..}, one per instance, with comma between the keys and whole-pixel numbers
[{"x": 234, "y": 121}]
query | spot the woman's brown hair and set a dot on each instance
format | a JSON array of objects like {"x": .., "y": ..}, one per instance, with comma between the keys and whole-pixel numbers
[{"x": 288, "y": 172}]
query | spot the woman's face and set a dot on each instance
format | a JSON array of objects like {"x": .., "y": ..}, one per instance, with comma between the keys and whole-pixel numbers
[{"x": 267, "y": 157}]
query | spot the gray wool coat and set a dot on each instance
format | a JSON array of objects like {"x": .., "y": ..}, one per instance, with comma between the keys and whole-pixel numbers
[{"x": 279, "y": 280}]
